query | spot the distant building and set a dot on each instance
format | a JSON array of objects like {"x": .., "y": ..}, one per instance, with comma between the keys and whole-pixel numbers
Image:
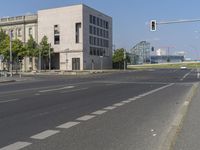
[
  {"x": 140, "y": 53},
  {"x": 80, "y": 36},
  {"x": 166, "y": 58}
]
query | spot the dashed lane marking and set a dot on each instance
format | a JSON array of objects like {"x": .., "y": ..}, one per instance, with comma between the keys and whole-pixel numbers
[
  {"x": 16, "y": 146},
  {"x": 99, "y": 112},
  {"x": 57, "y": 89},
  {"x": 68, "y": 125},
  {"x": 85, "y": 118},
  {"x": 44, "y": 134},
  {"x": 10, "y": 100}
]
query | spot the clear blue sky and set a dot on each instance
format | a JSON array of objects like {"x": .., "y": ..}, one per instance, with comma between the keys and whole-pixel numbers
[{"x": 130, "y": 20}]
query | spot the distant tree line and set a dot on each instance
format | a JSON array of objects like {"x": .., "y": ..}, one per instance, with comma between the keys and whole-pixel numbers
[{"x": 118, "y": 58}]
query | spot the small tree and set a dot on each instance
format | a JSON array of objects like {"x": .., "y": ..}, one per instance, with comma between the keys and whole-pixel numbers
[
  {"x": 118, "y": 58},
  {"x": 44, "y": 48}
]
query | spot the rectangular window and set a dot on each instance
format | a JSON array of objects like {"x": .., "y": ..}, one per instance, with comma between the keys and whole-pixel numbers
[
  {"x": 91, "y": 19},
  {"x": 91, "y": 29},
  {"x": 56, "y": 39},
  {"x": 106, "y": 25},
  {"x": 97, "y": 21},
  {"x": 30, "y": 31},
  {"x": 101, "y": 32},
  {"x": 94, "y": 30},
  {"x": 94, "y": 20},
  {"x": 91, "y": 51},
  {"x": 56, "y": 34},
  {"x": 98, "y": 31},
  {"x": 101, "y": 22},
  {"x": 78, "y": 31},
  {"x": 95, "y": 40},
  {"x": 19, "y": 32}
]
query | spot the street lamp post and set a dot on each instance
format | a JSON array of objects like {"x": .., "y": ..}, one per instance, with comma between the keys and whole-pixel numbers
[
  {"x": 49, "y": 57},
  {"x": 124, "y": 59},
  {"x": 11, "y": 53}
]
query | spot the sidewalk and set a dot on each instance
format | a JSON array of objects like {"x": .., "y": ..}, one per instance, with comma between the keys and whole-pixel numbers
[{"x": 188, "y": 138}]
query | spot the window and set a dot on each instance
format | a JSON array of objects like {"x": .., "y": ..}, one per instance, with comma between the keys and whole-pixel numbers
[
  {"x": 56, "y": 34},
  {"x": 19, "y": 32},
  {"x": 12, "y": 34},
  {"x": 91, "y": 40},
  {"x": 106, "y": 25},
  {"x": 78, "y": 30},
  {"x": 30, "y": 31},
  {"x": 56, "y": 29},
  {"x": 94, "y": 30},
  {"x": 101, "y": 32},
  {"x": 101, "y": 22},
  {"x": 98, "y": 31},
  {"x": 91, "y": 51},
  {"x": 95, "y": 40},
  {"x": 91, "y": 19},
  {"x": 94, "y": 20},
  {"x": 56, "y": 39},
  {"x": 97, "y": 21},
  {"x": 91, "y": 28}
]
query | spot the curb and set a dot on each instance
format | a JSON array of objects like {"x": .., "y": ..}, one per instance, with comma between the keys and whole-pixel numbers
[
  {"x": 176, "y": 125},
  {"x": 7, "y": 81}
]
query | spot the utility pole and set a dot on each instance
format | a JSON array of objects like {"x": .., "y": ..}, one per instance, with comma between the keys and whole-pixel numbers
[
  {"x": 11, "y": 53},
  {"x": 39, "y": 58},
  {"x": 49, "y": 57}
]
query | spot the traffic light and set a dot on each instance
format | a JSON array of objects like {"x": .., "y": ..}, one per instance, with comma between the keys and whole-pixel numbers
[{"x": 153, "y": 24}]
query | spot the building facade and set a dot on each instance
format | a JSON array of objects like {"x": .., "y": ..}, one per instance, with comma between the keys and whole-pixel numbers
[
  {"x": 140, "y": 53},
  {"x": 80, "y": 36}
]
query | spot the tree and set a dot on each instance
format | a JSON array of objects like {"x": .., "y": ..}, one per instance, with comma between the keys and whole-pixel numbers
[
  {"x": 31, "y": 47},
  {"x": 44, "y": 48},
  {"x": 4, "y": 45},
  {"x": 118, "y": 58}
]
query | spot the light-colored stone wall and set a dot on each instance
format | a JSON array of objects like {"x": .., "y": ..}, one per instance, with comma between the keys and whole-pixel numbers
[{"x": 65, "y": 18}]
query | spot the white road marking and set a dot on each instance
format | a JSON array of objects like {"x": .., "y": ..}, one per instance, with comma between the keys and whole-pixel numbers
[
  {"x": 185, "y": 76},
  {"x": 85, "y": 118},
  {"x": 75, "y": 90},
  {"x": 118, "y": 104},
  {"x": 154, "y": 134},
  {"x": 68, "y": 125},
  {"x": 10, "y": 100},
  {"x": 57, "y": 89},
  {"x": 44, "y": 134},
  {"x": 99, "y": 112},
  {"x": 16, "y": 146},
  {"x": 109, "y": 108}
]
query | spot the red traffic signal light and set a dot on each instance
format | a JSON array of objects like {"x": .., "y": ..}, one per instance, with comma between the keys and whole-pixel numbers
[{"x": 153, "y": 24}]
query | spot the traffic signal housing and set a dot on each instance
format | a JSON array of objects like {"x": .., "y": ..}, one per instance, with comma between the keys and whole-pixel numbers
[{"x": 153, "y": 25}]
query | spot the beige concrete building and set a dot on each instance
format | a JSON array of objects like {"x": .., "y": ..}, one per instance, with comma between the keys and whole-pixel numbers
[{"x": 80, "y": 36}]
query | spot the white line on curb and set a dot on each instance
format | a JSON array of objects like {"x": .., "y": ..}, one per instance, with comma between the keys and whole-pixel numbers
[
  {"x": 85, "y": 118},
  {"x": 99, "y": 112},
  {"x": 68, "y": 125},
  {"x": 44, "y": 134}
]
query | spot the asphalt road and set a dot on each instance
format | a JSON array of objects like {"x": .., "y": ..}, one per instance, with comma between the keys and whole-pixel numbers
[{"x": 127, "y": 110}]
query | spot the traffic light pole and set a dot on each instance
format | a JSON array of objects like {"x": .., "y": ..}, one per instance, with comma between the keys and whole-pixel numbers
[
  {"x": 154, "y": 23},
  {"x": 11, "y": 54}
]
